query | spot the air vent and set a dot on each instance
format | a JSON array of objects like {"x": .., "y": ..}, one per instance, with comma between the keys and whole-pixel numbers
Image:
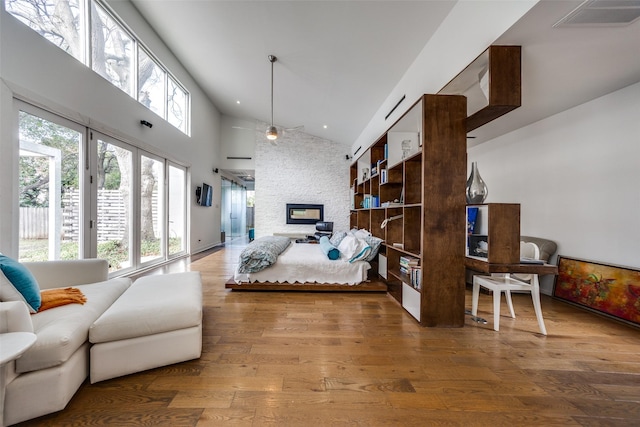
[{"x": 605, "y": 13}]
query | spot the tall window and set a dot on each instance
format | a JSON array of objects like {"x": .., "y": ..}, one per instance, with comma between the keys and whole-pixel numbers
[
  {"x": 151, "y": 83},
  {"x": 151, "y": 209},
  {"x": 115, "y": 194},
  {"x": 177, "y": 106},
  {"x": 113, "y": 52},
  {"x": 50, "y": 188},
  {"x": 177, "y": 207},
  {"x": 60, "y": 22}
]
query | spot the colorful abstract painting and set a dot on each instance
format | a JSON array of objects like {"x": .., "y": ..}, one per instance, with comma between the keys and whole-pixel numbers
[{"x": 608, "y": 289}]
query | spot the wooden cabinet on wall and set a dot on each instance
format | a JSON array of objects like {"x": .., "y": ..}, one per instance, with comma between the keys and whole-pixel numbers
[
  {"x": 491, "y": 83},
  {"x": 413, "y": 183}
]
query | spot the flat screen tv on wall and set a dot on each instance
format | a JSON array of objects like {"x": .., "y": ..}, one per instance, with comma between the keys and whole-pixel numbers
[
  {"x": 204, "y": 195},
  {"x": 304, "y": 214}
]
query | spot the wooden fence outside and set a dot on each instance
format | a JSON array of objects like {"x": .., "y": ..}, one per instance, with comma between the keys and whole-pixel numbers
[{"x": 34, "y": 222}]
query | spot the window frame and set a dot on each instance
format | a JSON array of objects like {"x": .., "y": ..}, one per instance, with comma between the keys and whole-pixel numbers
[{"x": 86, "y": 47}]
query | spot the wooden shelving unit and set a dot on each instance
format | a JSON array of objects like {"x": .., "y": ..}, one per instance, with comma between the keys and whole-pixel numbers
[
  {"x": 492, "y": 84},
  {"x": 496, "y": 235},
  {"x": 419, "y": 181},
  {"x": 421, "y": 193}
]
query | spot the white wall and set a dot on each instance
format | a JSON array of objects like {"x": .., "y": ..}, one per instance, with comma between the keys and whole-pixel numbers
[
  {"x": 36, "y": 71},
  {"x": 300, "y": 168},
  {"x": 238, "y": 139},
  {"x": 577, "y": 177}
]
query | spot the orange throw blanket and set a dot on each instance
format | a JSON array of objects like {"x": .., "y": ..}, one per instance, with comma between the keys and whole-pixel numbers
[{"x": 56, "y": 297}]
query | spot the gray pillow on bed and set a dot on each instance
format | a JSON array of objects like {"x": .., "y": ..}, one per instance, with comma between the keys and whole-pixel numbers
[
  {"x": 262, "y": 253},
  {"x": 337, "y": 238},
  {"x": 374, "y": 242}
]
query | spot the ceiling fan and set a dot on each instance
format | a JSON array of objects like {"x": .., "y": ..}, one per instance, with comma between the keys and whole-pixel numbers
[{"x": 273, "y": 131}]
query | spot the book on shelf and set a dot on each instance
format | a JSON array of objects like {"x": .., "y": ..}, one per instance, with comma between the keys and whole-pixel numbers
[
  {"x": 472, "y": 215},
  {"x": 409, "y": 261},
  {"x": 366, "y": 201},
  {"x": 416, "y": 277},
  {"x": 391, "y": 204},
  {"x": 383, "y": 176},
  {"x": 528, "y": 260},
  {"x": 386, "y": 151}
]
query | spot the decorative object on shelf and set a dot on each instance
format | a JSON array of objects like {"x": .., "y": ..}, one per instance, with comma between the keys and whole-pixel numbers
[
  {"x": 406, "y": 148},
  {"x": 476, "y": 188},
  {"x": 393, "y": 218},
  {"x": 365, "y": 174}
]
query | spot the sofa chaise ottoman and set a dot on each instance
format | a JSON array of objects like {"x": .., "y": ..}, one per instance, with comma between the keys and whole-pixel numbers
[{"x": 157, "y": 321}]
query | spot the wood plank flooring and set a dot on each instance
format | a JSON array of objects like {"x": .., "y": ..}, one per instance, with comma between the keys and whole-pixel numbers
[{"x": 354, "y": 359}]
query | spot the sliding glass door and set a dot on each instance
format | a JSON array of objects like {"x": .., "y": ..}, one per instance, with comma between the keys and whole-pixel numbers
[
  {"x": 152, "y": 230},
  {"x": 51, "y": 184},
  {"x": 84, "y": 194},
  {"x": 234, "y": 209},
  {"x": 114, "y": 182},
  {"x": 177, "y": 210}
]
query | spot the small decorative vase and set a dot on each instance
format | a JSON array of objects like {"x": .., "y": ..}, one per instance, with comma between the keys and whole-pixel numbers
[{"x": 476, "y": 188}]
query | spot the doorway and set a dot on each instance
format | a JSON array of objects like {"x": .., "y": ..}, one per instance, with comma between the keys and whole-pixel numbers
[{"x": 234, "y": 210}]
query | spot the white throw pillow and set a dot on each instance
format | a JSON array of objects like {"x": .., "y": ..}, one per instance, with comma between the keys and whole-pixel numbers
[{"x": 353, "y": 249}]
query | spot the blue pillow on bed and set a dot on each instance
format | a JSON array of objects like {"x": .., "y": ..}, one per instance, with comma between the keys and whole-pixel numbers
[{"x": 328, "y": 249}]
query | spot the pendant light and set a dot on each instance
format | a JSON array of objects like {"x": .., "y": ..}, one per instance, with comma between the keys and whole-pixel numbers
[{"x": 272, "y": 132}]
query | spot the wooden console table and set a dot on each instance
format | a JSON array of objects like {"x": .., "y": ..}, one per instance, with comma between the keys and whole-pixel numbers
[{"x": 485, "y": 267}]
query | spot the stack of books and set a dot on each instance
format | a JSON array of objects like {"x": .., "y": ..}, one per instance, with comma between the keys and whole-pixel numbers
[
  {"x": 366, "y": 202},
  {"x": 410, "y": 266}
]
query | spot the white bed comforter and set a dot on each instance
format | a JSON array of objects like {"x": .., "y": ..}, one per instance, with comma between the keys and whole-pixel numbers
[{"x": 306, "y": 263}]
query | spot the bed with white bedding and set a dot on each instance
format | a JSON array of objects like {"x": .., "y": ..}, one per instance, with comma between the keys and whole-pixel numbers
[{"x": 302, "y": 266}]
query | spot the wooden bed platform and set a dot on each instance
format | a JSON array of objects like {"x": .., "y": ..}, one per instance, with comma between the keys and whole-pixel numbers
[{"x": 370, "y": 286}]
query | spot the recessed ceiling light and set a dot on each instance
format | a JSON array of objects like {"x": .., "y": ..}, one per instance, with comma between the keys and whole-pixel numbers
[
  {"x": 237, "y": 102},
  {"x": 325, "y": 126}
]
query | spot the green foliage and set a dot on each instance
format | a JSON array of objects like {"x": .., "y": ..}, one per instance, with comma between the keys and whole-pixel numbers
[
  {"x": 112, "y": 180},
  {"x": 114, "y": 251},
  {"x": 34, "y": 170}
]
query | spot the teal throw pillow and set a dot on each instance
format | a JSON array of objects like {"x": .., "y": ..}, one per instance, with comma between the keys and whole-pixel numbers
[{"x": 20, "y": 285}]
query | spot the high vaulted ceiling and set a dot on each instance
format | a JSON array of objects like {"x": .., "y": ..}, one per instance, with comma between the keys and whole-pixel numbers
[{"x": 339, "y": 60}]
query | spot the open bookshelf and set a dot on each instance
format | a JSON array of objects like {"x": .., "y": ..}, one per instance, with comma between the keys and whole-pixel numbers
[{"x": 419, "y": 180}]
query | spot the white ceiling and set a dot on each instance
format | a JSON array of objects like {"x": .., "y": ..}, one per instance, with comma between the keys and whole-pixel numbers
[{"x": 339, "y": 60}]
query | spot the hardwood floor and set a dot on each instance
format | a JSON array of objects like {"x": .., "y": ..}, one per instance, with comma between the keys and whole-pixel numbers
[{"x": 320, "y": 359}]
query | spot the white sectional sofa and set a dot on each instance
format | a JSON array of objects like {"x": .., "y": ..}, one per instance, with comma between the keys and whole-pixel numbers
[
  {"x": 46, "y": 376},
  {"x": 122, "y": 328},
  {"x": 156, "y": 322}
]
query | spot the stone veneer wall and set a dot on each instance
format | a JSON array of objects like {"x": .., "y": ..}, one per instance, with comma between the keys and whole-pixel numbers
[{"x": 299, "y": 168}]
